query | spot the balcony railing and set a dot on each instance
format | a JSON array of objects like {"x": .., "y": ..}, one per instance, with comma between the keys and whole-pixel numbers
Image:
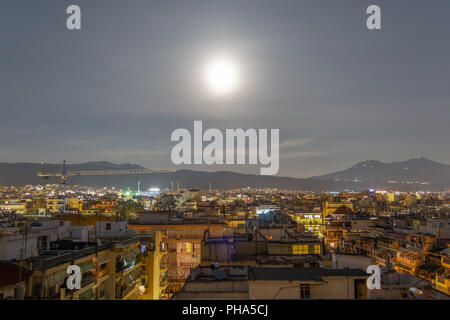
[
  {"x": 87, "y": 280},
  {"x": 163, "y": 282},
  {"x": 446, "y": 260},
  {"x": 127, "y": 290},
  {"x": 101, "y": 273}
]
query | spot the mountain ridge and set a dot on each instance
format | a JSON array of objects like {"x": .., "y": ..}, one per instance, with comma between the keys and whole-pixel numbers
[{"x": 410, "y": 175}]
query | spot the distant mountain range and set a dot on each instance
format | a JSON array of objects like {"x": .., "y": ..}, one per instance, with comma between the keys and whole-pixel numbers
[{"x": 410, "y": 175}]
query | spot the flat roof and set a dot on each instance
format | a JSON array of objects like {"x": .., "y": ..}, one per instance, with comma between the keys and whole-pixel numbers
[
  {"x": 55, "y": 257},
  {"x": 302, "y": 274}
]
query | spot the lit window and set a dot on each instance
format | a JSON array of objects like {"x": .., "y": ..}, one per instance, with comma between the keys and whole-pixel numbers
[
  {"x": 305, "y": 291},
  {"x": 188, "y": 247},
  {"x": 300, "y": 249},
  {"x": 317, "y": 249}
]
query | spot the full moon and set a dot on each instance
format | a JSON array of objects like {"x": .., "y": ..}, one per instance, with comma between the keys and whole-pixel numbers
[{"x": 222, "y": 76}]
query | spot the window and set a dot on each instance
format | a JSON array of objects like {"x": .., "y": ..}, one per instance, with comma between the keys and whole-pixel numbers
[
  {"x": 108, "y": 226},
  {"x": 101, "y": 291},
  {"x": 300, "y": 249},
  {"x": 305, "y": 291},
  {"x": 317, "y": 249},
  {"x": 52, "y": 291},
  {"x": 37, "y": 290}
]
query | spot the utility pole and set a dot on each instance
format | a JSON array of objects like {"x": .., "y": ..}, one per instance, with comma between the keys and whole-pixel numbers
[
  {"x": 19, "y": 291},
  {"x": 63, "y": 185}
]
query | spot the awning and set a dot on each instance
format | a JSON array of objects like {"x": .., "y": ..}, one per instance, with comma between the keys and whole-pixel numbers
[
  {"x": 87, "y": 295},
  {"x": 135, "y": 274},
  {"x": 128, "y": 257},
  {"x": 86, "y": 266},
  {"x": 56, "y": 278},
  {"x": 127, "y": 280},
  {"x": 131, "y": 255},
  {"x": 102, "y": 259},
  {"x": 164, "y": 276}
]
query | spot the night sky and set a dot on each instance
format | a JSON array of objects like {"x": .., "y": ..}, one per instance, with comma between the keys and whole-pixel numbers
[{"x": 115, "y": 90}]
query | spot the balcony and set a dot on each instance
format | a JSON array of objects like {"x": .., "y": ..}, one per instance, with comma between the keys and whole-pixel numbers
[
  {"x": 163, "y": 280},
  {"x": 446, "y": 261},
  {"x": 101, "y": 273},
  {"x": 87, "y": 280},
  {"x": 127, "y": 290},
  {"x": 87, "y": 295},
  {"x": 163, "y": 265},
  {"x": 440, "y": 279},
  {"x": 163, "y": 283}
]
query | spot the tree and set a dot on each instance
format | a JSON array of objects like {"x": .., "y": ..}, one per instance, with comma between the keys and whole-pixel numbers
[{"x": 130, "y": 209}]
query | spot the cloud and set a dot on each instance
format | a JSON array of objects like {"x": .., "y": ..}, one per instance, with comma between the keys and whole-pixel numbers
[
  {"x": 294, "y": 143},
  {"x": 302, "y": 154}
]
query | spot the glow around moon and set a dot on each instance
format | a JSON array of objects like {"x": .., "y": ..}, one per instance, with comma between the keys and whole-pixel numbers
[{"x": 221, "y": 76}]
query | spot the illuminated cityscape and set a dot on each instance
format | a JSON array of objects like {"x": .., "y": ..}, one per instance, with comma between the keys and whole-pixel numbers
[
  {"x": 263, "y": 154},
  {"x": 227, "y": 244}
]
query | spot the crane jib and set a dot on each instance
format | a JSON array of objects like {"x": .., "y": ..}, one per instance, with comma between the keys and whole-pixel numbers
[{"x": 105, "y": 172}]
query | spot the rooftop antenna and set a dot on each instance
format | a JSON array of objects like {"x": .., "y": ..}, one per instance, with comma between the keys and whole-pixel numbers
[
  {"x": 63, "y": 184},
  {"x": 139, "y": 190},
  {"x": 19, "y": 291}
]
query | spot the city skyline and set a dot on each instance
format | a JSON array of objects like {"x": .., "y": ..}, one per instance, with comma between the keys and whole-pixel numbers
[{"x": 224, "y": 157}]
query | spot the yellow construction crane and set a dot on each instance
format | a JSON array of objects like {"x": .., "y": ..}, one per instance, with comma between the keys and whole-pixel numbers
[{"x": 64, "y": 174}]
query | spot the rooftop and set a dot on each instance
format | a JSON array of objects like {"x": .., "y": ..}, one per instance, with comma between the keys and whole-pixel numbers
[
  {"x": 301, "y": 274},
  {"x": 66, "y": 252}
]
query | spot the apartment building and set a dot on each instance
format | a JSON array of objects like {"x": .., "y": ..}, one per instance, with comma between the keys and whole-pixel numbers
[
  {"x": 184, "y": 238},
  {"x": 306, "y": 283},
  {"x": 442, "y": 280},
  {"x": 129, "y": 275},
  {"x": 18, "y": 206},
  {"x": 233, "y": 250},
  {"x": 155, "y": 264},
  {"x": 54, "y": 204},
  {"x": 311, "y": 220},
  {"x": 21, "y": 239},
  {"x": 242, "y": 282},
  {"x": 141, "y": 260},
  {"x": 49, "y": 277}
]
